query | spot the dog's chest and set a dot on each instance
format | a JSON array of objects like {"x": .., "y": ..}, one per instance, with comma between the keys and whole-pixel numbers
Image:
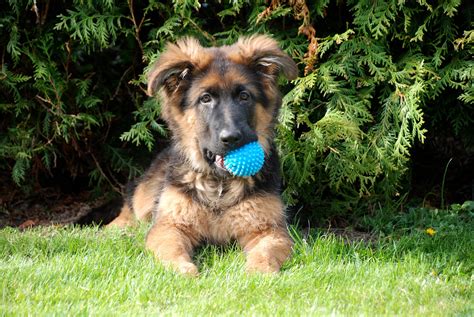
[{"x": 218, "y": 194}]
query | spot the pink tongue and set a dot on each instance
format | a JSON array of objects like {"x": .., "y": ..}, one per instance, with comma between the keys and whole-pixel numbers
[{"x": 220, "y": 161}]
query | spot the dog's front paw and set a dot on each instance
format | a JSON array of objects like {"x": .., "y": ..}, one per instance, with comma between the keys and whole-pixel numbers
[
  {"x": 261, "y": 264},
  {"x": 187, "y": 268},
  {"x": 119, "y": 223},
  {"x": 182, "y": 267}
]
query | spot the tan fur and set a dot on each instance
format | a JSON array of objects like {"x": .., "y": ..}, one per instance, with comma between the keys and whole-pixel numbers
[
  {"x": 217, "y": 194},
  {"x": 264, "y": 51},
  {"x": 196, "y": 205},
  {"x": 143, "y": 201},
  {"x": 214, "y": 79},
  {"x": 125, "y": 218},
  {"x": 257, "y": 223},
  {"x": 173, "y": 234},
  {"x": 188, "y": 126},
  {"x": 265, "y": 119}
]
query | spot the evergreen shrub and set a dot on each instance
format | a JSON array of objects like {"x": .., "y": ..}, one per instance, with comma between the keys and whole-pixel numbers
[{"x": 73, "y": 102}]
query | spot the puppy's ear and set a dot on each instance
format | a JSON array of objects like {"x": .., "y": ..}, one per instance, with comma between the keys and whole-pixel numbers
[
  {"x": 174, "y": 65},
  {"x": 264, "y": 55}
]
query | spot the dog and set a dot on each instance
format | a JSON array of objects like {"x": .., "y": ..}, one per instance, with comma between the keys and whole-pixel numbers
[{"x": 215, "y": 100}]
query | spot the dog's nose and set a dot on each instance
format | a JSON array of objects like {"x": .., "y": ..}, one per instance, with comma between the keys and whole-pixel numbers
[{"x": 230, "y": 137}]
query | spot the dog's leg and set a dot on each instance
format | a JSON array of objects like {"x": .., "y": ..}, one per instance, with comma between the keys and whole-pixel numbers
[
  {"x": 124, "y": 219},
  {"x": 172, "y": 247},
  {"x": 142, "y": 203},
  {"x": 259, "y": 225},
  {"x": 175, "y": 231},
  {"x": 266, "y": 251}
]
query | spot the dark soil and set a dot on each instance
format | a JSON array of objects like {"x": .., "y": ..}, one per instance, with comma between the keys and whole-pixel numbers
[{"x": 52, "y": 206}]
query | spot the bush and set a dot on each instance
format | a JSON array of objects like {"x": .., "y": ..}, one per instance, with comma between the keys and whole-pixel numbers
[{"x": 72, "y": 73}]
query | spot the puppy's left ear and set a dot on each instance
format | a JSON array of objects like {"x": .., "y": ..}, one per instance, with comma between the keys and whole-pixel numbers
[{"x": 264, "y": 55}]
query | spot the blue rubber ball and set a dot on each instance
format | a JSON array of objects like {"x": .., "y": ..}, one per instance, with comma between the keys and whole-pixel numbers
[{"x": 246, "y": 160}]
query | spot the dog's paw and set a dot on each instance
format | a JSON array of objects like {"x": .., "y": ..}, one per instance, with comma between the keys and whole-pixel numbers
[
  {"x": 186, "y": 268},
  {"x": 262, "y": 265},
  {"x": 121, "y": 222}
]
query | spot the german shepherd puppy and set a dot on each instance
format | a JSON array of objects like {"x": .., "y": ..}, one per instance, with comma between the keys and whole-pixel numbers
[{"x": 215, "y": 100}]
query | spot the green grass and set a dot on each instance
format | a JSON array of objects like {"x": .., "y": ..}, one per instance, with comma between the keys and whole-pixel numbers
[{"x": 88, "y": 271}]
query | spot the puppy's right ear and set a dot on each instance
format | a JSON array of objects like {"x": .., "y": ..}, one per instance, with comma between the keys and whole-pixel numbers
[{"x": 174, "y": 66}]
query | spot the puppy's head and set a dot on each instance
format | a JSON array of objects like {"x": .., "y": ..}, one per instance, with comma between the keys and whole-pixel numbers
[{"x": 220, "y": 98}]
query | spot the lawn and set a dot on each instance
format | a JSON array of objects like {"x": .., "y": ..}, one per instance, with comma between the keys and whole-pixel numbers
[{"x": 89, "y": 271}]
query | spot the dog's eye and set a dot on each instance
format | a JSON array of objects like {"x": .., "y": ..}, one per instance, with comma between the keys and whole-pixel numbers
[
  {"x": 244, "y": 95},
  {"x": 206, "y": 98}
]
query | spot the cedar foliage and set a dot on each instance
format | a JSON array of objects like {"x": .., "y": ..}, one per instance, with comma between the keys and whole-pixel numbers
[{"x": 72, "y": 98}]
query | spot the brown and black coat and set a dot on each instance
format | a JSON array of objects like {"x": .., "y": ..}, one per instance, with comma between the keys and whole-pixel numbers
[{"x": 215, "y": 100}]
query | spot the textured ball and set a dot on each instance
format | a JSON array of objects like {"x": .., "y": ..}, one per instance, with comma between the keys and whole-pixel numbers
[{"x": 246, "y": 160}]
